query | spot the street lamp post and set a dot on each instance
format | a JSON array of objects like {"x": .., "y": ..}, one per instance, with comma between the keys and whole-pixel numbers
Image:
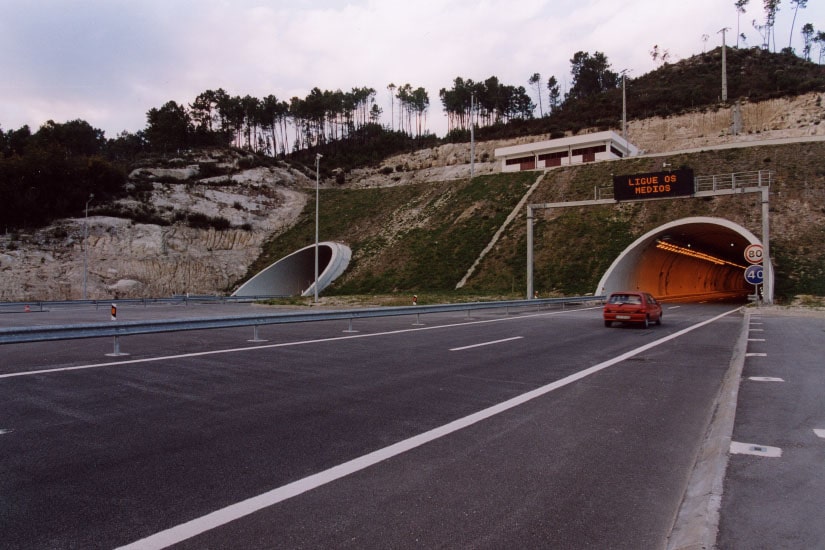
[
  {"x": 317, "y": 184},
  {"x": 472, "y": 137},
  {"x": 85, "y": 245}
]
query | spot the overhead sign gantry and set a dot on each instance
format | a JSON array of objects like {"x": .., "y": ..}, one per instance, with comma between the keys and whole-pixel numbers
[{"x": 670, "y": 185}]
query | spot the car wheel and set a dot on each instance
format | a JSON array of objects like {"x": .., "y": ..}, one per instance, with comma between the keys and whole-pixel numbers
[
  {"x": 647, "y": 322},
  {"x": 659, "y": 320},
  {"x": 608, "y": 324}
]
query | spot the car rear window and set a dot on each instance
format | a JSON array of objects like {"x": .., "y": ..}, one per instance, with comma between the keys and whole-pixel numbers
[{"x": 625, "y": 299}]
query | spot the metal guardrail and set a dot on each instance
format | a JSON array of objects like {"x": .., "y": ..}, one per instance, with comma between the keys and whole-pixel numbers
[
  {"x": 183, "y": 299},
  {"x": 17, "y": 335}
]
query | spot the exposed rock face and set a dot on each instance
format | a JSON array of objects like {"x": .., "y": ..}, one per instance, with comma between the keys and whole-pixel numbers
[
  {"x": 125, "y": 259},
  {"x": 772, "y": 119}
]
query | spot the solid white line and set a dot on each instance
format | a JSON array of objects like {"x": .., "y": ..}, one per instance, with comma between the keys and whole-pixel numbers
[
  {"x": 281, "y": 345},
  {"x": 487, "y": 343},
  {"x": 210, "y": 521}
]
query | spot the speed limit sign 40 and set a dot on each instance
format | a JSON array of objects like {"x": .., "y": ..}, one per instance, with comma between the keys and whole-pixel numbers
[{"x": 754, "y": 253}]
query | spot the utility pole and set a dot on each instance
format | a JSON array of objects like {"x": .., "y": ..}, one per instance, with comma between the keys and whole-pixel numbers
[
  {"x": 724, "y": 67},
  {"x": 624, "y": 106}
]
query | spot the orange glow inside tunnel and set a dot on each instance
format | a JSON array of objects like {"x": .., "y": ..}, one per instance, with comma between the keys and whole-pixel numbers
[{"x": 692, "y": 260}]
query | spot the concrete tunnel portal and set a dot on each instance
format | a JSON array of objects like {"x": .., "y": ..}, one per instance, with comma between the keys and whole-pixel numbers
[
  {"x": 689, "y": 259},
  {"x": 294, "y": 275}
]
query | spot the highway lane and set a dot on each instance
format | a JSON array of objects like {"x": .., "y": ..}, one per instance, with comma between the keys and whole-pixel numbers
[{"x": 110, "y": 454}]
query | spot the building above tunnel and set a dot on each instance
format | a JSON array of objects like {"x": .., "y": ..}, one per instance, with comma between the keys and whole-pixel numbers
[{"x": 566, "y": 151}]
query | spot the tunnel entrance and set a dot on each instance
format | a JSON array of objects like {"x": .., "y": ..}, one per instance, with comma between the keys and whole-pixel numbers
[
  {"x": 692, "y": 259},
  {"x": 294, "y": 275}
]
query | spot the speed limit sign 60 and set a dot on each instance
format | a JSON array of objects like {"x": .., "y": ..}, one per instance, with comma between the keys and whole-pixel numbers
[{"x": 754, "y": 253}]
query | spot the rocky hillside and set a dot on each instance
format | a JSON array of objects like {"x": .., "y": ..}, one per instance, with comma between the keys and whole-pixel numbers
[
  {"x": 184, "y": 233},
  {"x": 197, "y": 223}
]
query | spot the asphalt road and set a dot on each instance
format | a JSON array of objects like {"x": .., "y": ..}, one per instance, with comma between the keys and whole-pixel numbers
[
  {"x": 529, "y": 430},
  {"x": 774, "y": 494}
]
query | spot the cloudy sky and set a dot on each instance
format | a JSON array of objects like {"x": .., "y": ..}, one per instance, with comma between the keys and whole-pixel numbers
[{"x": 110, "y": 61}]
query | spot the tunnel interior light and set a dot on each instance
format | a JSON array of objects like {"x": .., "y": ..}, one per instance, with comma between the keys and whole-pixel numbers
[{"x": 676, "y": 249}]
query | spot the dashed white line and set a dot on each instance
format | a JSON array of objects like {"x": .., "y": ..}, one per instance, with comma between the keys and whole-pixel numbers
[
  {"x": 487, "y": 343},
  {"x": 756, "y": 339},
  {"x": 819, "y": 433},
  {"x": 765, "y": 379},
  {"x": 281, "y": 345},
  {"x": 756, "y": 355}
]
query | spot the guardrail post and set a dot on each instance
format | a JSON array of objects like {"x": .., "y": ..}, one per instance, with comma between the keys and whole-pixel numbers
[
  {"x": 116, "y": 352},
  {"x": 255, "y": 335},
  {"x": 418, "y": 322},
  {"x": 350, "y": 329}
]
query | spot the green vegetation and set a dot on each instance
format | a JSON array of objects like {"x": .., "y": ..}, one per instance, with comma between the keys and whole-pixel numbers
[{"x": 423, "y": 238}]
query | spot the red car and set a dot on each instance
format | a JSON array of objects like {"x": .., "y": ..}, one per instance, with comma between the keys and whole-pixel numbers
[{"x": 632, "y": 307}]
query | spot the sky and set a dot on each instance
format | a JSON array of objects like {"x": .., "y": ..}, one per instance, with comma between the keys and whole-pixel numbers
[{"x": 109, "y": 61}]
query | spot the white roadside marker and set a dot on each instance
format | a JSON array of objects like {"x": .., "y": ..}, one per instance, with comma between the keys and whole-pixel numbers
[{"x": 737, "y": 448}]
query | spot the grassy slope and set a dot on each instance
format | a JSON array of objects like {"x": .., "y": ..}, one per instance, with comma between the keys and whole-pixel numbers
[{"x": 423, "y": 238}]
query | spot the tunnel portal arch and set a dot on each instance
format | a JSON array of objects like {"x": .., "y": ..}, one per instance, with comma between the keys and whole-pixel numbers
[
  {"x": 294, "y": 274},
  {"x": 652, "y": 263}
]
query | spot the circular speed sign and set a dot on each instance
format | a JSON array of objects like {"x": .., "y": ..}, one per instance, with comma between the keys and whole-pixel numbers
[{"x": 753, "y": 253}]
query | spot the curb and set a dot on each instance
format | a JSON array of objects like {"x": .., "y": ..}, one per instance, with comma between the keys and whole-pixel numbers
[{"x": 697, "y": 522}]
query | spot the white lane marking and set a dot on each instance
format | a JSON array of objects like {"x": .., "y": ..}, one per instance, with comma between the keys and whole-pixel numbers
[
  {"x": 737, "y": 448},
  {"x": 4, "y": 431},
  {"x": 756, "y": 339},
  {"x": 281, "y": 345},
  {"x": 757, "y": 330},
  {"x": 487, "y": 343},
  {"x": 756, "y": 355},
  {"x": 192, "y": 528},
  {"x": 674, "y": 307},
  {"x": 765, "y": 379},
  {"x": 819, "y": 433}
]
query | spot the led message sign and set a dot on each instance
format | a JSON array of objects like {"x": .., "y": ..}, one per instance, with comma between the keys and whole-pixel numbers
[{"x": 653, "y": 185}]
